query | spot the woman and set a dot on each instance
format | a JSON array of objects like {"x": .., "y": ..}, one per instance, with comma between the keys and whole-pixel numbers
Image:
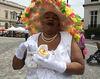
[
  {"x": 82, "y": 42},
  {"x": 65, "y": 57},
  {"x": 26, "y": 34}
]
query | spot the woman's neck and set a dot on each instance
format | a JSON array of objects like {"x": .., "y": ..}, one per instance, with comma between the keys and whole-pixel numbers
[{"x": 49, "y": 35}]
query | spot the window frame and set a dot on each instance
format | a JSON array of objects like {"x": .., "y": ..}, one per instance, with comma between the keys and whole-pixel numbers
[
  {"x": 94, "y": 16},
  {"x": 6, "y": 14},
  {"x": 93, "y": 0}
]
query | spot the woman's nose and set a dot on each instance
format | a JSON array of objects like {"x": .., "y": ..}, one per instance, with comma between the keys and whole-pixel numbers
[{"x": 50, "y": 19}]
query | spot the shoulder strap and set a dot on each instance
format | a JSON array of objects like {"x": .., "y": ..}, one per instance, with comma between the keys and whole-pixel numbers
[{"x": 81, "y": 37}]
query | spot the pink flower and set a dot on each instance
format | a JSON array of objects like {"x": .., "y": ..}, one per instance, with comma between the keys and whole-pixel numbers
[
  {"x": 25, "y": 19},
  {"x": 82, "y": 23},
  {"x": 72, "y": 15},
  {"x": 75, "y": 24},
  {"x": 34, "y": 3},
  {"x": 58, "y": 3},
  {"x": 26, "y": 28},
  {"x": 31, "y": 32},
  {"x": 76, "y": 31},
  {"x": 27, "y": 9},
  {"x": 21, "y": 19},
  {"x": 68, "y": 5},
  {"x": 72, "y": 33},
  {"x": 43, "y": 0}
]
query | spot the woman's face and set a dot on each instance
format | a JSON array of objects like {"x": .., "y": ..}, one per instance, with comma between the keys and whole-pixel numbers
[{"x": 50, "y": 23}]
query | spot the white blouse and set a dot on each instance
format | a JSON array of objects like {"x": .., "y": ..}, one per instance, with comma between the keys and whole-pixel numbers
[{"x": 63, "y": 53}]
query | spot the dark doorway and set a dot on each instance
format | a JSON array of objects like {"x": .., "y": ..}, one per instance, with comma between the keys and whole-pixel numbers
[{"x": 6, "y": 25}]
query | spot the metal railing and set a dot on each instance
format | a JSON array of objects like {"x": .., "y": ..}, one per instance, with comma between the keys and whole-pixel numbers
[{"x": 94, "y": 26}]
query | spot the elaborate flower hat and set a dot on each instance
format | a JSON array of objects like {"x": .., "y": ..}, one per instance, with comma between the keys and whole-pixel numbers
[{"x": 32, "y": 16}]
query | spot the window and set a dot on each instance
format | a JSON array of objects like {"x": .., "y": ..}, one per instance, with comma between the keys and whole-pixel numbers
[
  {"x": 6, "y": 25},
  {"x": 6, "y": 14},
  {"x": 13, "y": 15},
  {"x": 16, "y": 15},
  {"x": 94, "y": 19},
  {"x": 93, "y": 0}
]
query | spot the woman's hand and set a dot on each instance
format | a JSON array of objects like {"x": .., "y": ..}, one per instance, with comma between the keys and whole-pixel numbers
[
  {"x": 31, "y": 45},
  {"x": 50, "y": 63},
  {"x": 20, "y": 52}
]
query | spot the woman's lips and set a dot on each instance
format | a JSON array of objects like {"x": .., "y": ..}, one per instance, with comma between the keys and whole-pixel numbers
[{"x": 50, "y": 23}]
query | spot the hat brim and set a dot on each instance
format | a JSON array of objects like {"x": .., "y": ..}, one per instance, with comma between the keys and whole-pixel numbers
[
  {"x": 43, "y": 8},
  {"x": 48, "y": 7}
]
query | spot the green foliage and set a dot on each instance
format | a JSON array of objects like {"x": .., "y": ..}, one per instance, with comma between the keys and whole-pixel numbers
[
  {"x": 31, "y": 8},
  {"x": 33, "y": 0},
  {"x": 27, "y": 15},
  {"x": 63, "y": 7},
  {"x": 79, "y": 21},
  {"x": 38, "y": 3}
]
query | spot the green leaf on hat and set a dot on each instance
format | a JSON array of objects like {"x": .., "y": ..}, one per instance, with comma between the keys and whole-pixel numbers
[
  {"x": 31, "y": 8},
  {"x": 29, "y": 29},
  {"x": 38, "y": 3},
  {"x": 33, "y": 0},
  {"x": 27, "y": 15}
]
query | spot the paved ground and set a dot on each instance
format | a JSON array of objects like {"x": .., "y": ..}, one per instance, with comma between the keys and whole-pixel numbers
[{"x": 8, "y": 47}]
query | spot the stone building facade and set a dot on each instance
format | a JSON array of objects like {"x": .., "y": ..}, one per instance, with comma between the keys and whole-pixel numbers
[
  {"x": 8, "y": 13},
  {"x": 91, "y": 14}
]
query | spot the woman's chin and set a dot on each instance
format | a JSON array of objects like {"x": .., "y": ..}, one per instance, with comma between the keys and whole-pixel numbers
[{"x": 50, "y": 25}]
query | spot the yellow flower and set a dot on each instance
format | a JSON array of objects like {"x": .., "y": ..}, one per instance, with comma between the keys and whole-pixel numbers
[
  {"x": 40, "y": 0},
  {"x": 76, "y": 36},
  {"x": 68, "y": 11},
  {"x": 31, "y": 5},
  {"x": 60, "y": 0},
  {"x": 33, "y": 29},
  {"x": 71, "y": 10},
  {"x": 74, "y": 19},
  {"x": 24, "y": 11}
]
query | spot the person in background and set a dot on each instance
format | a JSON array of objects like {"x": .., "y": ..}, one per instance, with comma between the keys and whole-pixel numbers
[
  {"x": 81, "y": 43},
  {"x": 26, "y": 34},
  {"x": 7, "y": 33},
  {"x": 52, "y": 53},
  {"x": 92, "y": 36}
]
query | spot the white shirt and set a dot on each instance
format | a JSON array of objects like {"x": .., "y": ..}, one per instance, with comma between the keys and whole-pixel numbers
[{"x": 63, "y": 53}]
